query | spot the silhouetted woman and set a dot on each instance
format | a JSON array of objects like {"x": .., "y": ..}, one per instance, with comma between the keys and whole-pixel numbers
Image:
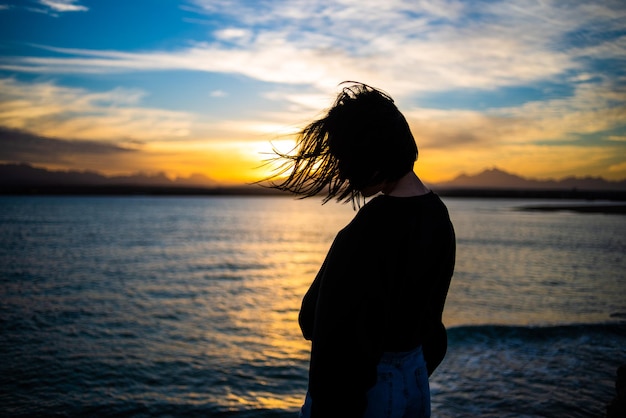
[{"x": 374, "y": 310}]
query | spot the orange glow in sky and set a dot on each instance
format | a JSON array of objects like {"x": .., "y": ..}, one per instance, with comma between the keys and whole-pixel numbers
[{"x": 535, "y": 89}]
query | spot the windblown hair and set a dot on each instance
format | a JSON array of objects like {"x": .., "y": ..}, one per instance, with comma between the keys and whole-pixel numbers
[{"x": 363, "y": 140}]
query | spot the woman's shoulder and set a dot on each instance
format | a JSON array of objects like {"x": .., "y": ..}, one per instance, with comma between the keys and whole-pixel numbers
[
  {"x": 372, "y": 209},
  {"x": 383, "y": 209}
]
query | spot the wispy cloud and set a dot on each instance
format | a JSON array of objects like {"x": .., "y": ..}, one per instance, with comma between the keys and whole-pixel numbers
[
  {"x": 74, "y": 113},
  {"x": 592, "y": 110},
  {"x": 618, "y": 168},
  {"x": 218, "y": 93},
  {"x": 408, "y": 47},
  {"x": 63, "y": 6},
  {"x": 18, "y": 146}
]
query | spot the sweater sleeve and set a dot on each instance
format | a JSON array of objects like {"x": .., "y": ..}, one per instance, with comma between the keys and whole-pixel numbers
[
  {"x": 343, "y": 358},
  {"x": 306, "y": 317},
  {"x": 436, "y": 339}
]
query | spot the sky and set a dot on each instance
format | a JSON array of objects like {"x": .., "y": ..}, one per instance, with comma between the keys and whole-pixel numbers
[{"x": 533, "y": 87}]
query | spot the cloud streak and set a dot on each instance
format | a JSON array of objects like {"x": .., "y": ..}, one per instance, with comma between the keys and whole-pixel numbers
[
  {"x": 410, "y": 47},
  {"x": 64, "y": 5},
  {"x": 17, "y": 146},
  {"x": 74, "y": 113}
]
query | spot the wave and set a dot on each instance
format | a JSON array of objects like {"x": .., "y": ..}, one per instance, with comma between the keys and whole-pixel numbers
[
  {"x": 468, "y": 334},
  {"x": 511, "y": 371}
]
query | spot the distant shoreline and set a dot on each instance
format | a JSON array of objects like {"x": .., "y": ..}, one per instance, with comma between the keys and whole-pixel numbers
[
  {"x": 137, "y": 190},
  {"x": 617, "y": 209},
  {"x": 571, "y": 194},
  {"x": 255, "y": 190}
]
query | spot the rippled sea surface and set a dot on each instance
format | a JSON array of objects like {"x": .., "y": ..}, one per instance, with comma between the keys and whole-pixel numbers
[{"x": 168, "y": 307}]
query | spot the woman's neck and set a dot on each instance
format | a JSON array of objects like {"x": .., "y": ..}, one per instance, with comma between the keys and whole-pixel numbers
[{"x": 406, "y": 186}]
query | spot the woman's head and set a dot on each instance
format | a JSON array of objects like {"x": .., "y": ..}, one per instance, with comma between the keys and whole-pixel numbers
[{"x": 362, "y": 141}]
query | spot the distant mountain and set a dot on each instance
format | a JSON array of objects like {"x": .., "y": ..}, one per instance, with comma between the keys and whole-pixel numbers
[
  {"x": 498, "y": 179},
  {"x": 24, "y": 178},
  {"x": 20, "y": 175}
]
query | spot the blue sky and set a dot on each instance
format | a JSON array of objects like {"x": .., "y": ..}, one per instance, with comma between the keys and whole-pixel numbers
[{"x": 537, "y": 88}]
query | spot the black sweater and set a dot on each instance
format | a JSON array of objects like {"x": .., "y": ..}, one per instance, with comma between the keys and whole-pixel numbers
[{"x": 382, "y": 287}]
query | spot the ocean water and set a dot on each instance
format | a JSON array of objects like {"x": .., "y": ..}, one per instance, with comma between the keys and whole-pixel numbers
[{"x": 187, "y": 306}]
